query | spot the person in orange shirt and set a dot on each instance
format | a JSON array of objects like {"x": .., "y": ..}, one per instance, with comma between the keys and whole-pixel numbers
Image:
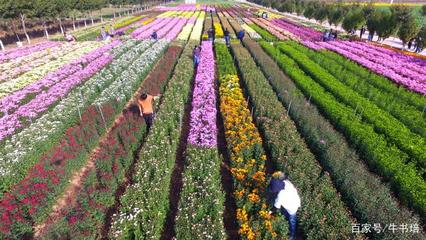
[{"x": 146, "y": 108}]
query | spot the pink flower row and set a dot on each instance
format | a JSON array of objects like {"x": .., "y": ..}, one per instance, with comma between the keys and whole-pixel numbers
[
  {"x": 20, "y": 52},
  {"x": 404, "y": 62},
  {"x": 397, "y": 66},
  {"x": 146, "y": 30},
  {"x": 305, "y": 33},
  {"x": 377, "y": 65},
  {"x": 270, "y": 29},
  {"x": 172, "y": 34},
  {"x": 60, "y": 83},
  {"x": 203, "y": 129}
]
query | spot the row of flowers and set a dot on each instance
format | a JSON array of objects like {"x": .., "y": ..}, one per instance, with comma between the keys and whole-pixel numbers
[
  {"x": 384, "y": 68},
  {"x": 203, "y": 129},
  {"x": 246, "y": 155},
  {"x": 144, "y": 205},
  {"x": 48, "y": 92},
  {"x": 283, "y": 31},
  {"x": 369, "y": 198},
  {"x": 323, "y": 214},
  {"x": 384, "y": 158},
  {"x": 198, "y": 28},
  {"x": 23, "y": 149},
  {"x": 269, "y": 28},
  {"x": 406, "y": 66},
  {"x": 384, "y": 123},
  {"x": 15, "y": 67},
  {"x": 71, "y": 153},
  {"x": 201, "y": 205},
  {"x": 88, "y": 210},
  {"x": 38, "y": 73},
  {"x": 304, "y": 33},
  {"x": 27, "y": 50},
  {"x": 348, "y": 72},
  {"x": 251, "y": 32}
]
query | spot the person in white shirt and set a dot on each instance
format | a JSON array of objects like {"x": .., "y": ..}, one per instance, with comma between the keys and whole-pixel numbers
[{"x": 287, "y": 200}]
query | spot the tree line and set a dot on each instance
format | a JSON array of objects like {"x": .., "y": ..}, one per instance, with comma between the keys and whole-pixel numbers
[
  {"x": 47, "y": 10},
  {"x": 397, "y": 20}
]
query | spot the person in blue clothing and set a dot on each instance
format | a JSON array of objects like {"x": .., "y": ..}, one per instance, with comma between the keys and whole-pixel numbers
[
  {"x": 154, "y": 35},
  {"x": 241, "y": 35},
  {"x": 196, "y": 52},
  {"x": 227, "y": 37}
]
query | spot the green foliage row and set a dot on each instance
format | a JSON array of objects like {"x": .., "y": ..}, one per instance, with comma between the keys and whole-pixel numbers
[
  {"x": 383, "y": 158},
  {"x": 152, "y": 179},
  {"x": 364, "y": 192},
  {"x": 389, "y": 102},
  {"x": 323, "y": 214},
  {"x": 382, "y": 122}
]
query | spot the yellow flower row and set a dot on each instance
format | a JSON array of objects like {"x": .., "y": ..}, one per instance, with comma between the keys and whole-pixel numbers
[
  {"x": 247, "y": 161},
  {"x": 218, "y": 30}
]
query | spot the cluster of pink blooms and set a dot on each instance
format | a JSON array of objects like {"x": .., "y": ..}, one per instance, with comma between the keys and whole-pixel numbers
[
  {"x": 167, "y": 28},
  {"x": 269, "y": 27},
  {"x": 24, "y": 51},
  {"x": 58, "y": 83},
  {"x": 182, "y": 7},
  {"x": 304, "y": 33},
  {"x": 405, "y": 72},
  {"x": 203, "y": 129}
]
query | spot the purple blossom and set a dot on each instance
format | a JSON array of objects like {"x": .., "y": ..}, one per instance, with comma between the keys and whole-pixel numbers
[
  {"x": 24, "y": 51},
  {"x": 58, "y": 84},
  {"x": 305, "y": 33},
  {"x": 203, "y": 129}
]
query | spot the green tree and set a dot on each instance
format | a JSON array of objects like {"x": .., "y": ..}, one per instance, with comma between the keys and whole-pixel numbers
[
  {"x": 335, "y": 16},
  {"x": 321, "y": 13},
  {"x": 408, "y": 29},
  {"x": 353, "y": 20},
  {"x": 423, "y": 11},
  {"x": 387, "y": 25}
]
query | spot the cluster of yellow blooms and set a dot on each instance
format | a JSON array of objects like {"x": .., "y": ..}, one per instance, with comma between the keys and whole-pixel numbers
[
  {"x": 247, "y": 161},
  {"x": 218, "y": 30}
]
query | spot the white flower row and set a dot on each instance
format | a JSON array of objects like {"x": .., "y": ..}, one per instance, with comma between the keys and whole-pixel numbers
[
  {"x": 39, "y": 72},
  {"x": 22, "y": 150},
  {"x": 253, "y": 34},
  {"x": 198, "y": 28},
  {"x": 125, "y": 84}
]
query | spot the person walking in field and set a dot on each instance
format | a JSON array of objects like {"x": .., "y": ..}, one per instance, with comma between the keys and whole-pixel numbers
[
  {"x": 285, "y": 198},
  {"x": 154, "y": 36},
  {"x": 227, "y": 37},
  {"x": 241, "y": 35},
  {"x": 196, "y": 52},
  {"x": 146, "y": 109}
]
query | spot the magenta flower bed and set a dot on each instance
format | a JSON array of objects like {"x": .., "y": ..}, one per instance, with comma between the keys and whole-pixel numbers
[
  {"x": 147, "y": 27},
  {"x": 60, "y": 83},
  {"x": 312, "y": 45},
  {"x": 305, "y": 33},
  {"x": 182, "y": 7},
  {"x": 172, "y": 34},
  {"x": 391, "y": 69},
  {"x": 203, "y": 129},
  {"x": 24, "y": 51},
  {"x": 146, "y": 34},
  {"x": 406, "y": 62}
]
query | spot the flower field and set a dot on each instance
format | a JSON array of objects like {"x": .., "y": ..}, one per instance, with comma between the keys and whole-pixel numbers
[{"x": 345, "y": 120}]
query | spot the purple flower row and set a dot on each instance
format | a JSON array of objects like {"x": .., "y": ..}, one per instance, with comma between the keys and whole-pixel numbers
[
  {"x": 203, "y": 129},
  {"x": 401, "y": 61},
  {"x": 379, "y": 58},
  {"x": 183, "y": 7},
  {"x": 146, "y": 27},
  {"x": 20, "y": 52},
  {"x": 305, "y": 33},
  {"x": 377, "y": 65},
  {"x": 172, "y": 34},
  {"x": 61, "y": 82},
  {"x": 151, "y": 28}
]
